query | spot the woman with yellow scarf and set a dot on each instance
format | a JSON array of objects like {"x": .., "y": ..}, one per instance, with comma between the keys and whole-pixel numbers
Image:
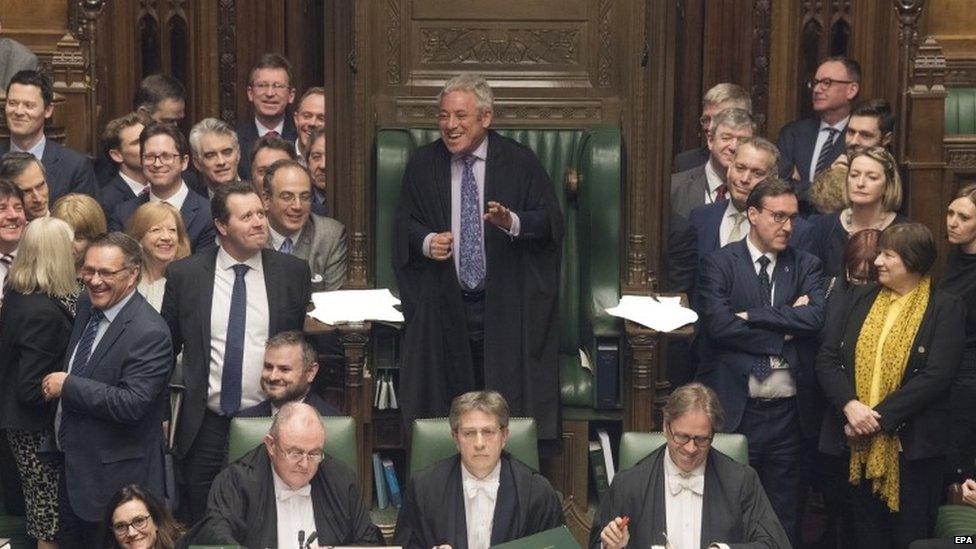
[{"x": 886, "y": 365}]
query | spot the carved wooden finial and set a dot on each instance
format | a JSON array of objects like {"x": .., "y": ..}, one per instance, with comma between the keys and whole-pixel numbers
[{"x": 928, "y": 65}]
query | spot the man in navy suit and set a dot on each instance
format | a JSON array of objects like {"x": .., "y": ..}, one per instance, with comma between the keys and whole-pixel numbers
[
  {"x": 222, "y": 305},
  {"x": 759, "y": 300},
  {"x": 112, "y": 394},
  {"x": 270, "y": 91},
  {"x": 28, "y": 106},
  {"x": 810, "y": 145},
  {"x": 290, "y": 367},
  {"x": 165, "y": 154},
  {"x": 121, "y": 144}
]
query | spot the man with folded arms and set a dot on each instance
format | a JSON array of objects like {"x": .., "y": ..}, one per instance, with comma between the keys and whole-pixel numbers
[
  {"x": 481, "y": 497},
  {"x": 686, "y": 493},
  {"x": 287, "y": 491}
]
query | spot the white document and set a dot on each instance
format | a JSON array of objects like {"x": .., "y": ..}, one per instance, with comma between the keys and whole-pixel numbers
[
  {"x": 664, "y": 315},
  {"x": 607, "y": 453},
  {"x": 355, "y": 306}
]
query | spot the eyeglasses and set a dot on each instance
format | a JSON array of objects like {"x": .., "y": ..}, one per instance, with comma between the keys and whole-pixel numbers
[
  {"x": 826, "y": 83},
  {"x": 296, "y": 456},
  {"x": 166, "y": 158},
  {"x": 140, "y": 523},
  {"x": 682, "y": 439},
  {"x": 265, "y": 86},
  {"x": 87, "y": 273},
  {"x": 472, "y": 434},
  {"x": 288, "y": 198},
  {"x": 780, "y": 217}
]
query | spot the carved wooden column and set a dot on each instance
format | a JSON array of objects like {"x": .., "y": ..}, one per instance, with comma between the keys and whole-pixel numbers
[
  {"x": 908, "y": 14},
  {"x": 354, "y": 338}
]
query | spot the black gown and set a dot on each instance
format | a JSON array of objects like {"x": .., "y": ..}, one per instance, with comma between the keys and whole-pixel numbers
[
  {"x": 433, "y": 506},
  {"x": 241, "y": 508},
  {"x": 735, "y": 509},
  {"x": 960, "y": 279},
  {"x": 521, "y": 321}
]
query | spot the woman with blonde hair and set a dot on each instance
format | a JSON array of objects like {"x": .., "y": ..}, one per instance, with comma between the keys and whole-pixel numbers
[
  {"x": 872, "y": 200},
  {"x": 159, "y": 228},
  {"x": 84, "y": 216},
  {"x": 36, "y": 324}
]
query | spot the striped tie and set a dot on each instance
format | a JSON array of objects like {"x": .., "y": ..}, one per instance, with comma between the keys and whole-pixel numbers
[{"x": 823, "y": 160}]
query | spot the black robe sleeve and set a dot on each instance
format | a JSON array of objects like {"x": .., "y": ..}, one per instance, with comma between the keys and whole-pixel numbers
[{"x": 225, "y": 522}]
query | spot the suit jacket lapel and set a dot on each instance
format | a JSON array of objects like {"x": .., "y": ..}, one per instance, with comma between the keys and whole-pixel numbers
[
  {"x": 455, "y": 491},
  {"x": 303, "y": 248},
  {"x": 711, "y": 240},
  {"x": 82, "y": 314},
  {"x": 712, "y": 501},
  {"x": 508, "y": 502},
  {"x": 658, "y": 511},
  {"x": 809, "y": 143},
  {"x": 115, "y": 329},
  {"x": 748, "y": 272},
  {"x": 784, "y": 278},
  {"x": 189, "y": 208},
  {"x": 442, "y": 178},
  {"x": 206, "y": 288},
  {"x": 274, "y": 290}
]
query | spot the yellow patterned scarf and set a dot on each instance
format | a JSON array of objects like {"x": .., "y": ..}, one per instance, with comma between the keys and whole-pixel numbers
[{"x": 877, "y": 457}]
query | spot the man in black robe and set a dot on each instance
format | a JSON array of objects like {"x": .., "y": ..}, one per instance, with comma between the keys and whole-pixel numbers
[
  {"x": 481, "y": 497},
  {"x": 477, "y": 252},
  {"x": 287, "y": 490},
  {"x": 687, "y": 494}
]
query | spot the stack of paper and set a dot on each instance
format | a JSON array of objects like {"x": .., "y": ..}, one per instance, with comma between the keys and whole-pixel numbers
[
  {"x": 355, "y": 306},
  {"x": 664, "y": 314}
]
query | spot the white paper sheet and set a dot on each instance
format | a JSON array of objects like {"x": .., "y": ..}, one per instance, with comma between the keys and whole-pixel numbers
[
  {"x": 664, "y": 315},
  {"x": 355, "y": 306}
]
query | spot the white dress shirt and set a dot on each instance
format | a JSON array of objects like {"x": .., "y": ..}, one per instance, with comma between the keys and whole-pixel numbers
[
  {"x": 780, "y": 382},
  {"x": 683, "y": 494},
  {"x": 822, "y": 140},
  {"x": 280, "y": 128},
  {"x": 176, "y": 200},
  {"x": 728, "y": 223},
  {"x": 37, "y": 150},
  {"x": 277, "y": 239},
  {"x": 255, "y": 329},
  {"x": 479, "y": 505},
  {"x": 134, "y": 185},
  {"x": 715, "y": 180},
  {"x": 295, "y": 512}
]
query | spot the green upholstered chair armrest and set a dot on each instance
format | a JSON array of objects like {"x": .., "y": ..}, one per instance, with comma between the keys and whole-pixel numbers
[
  {"x": 636, "y": 446},
  {"x": 575, "y": 382},
  {"x": 340, "y": 437},
  {"x": 960, "y": 111},
  {"x": 431, "y": 441},
  {"x": 393, "y": 149},
  {"x": 955, "y": 520}
]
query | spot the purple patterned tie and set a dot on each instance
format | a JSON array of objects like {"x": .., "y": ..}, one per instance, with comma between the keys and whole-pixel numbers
[{"x": 471, "y": 260}]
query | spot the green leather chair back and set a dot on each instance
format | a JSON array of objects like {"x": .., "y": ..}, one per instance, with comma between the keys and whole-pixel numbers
[
  {"x": 636, "y": 446},
  {"x": 960, "y": 111},
  {"x": 955, "y": 520},
  {"x": 340, "y": 437},
  {"x": 590, "y": 274},
  {"x": 431, "y": 441}
]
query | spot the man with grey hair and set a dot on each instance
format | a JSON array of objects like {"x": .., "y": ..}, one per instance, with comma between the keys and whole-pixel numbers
[
  {"x": 216, "y": 154},
  {"x": 477, "y": 255},
  {"x": 706, "y": 184},
  {"x": 290, "y": 366},
  {"x": 27, "y": 172},
  {"x": 686, "y": 493},
  {"x": 287, "y": 490},
  {"x": 719, "y": 97},
  {"x": 481, "y": 497},
  {"x": 111, "y": 395}
]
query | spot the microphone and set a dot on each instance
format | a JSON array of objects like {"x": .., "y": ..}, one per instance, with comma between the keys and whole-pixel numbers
[
  {"x": 313, "y": 537},
  {"x": 301, "y": 538}
]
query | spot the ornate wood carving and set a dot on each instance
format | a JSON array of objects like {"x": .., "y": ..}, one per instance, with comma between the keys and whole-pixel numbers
[
  {"x": 637, "y": 276},
  {"x": 393, "y": 38},
  {"x": 358, "y": 261},
  {"x": 487, "y": 46},
  {"x": 569, "y": 473},
  {"x": 605, "y": 59},
  {"x": 761, "y": 31},
  {"x": 648, "y": 386},
  {"x": 227, "y": 49}
]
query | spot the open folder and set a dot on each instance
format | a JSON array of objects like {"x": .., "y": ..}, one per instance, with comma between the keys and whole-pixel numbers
[{"x": 556, "y": 538}]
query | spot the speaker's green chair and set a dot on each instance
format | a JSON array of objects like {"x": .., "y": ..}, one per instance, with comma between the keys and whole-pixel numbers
[
  {"x": 431, "y": 441},
  {"x": 636, "y": 446},
  {"x": 340, "y": 437},
  {"x": 955, "y": 520}
]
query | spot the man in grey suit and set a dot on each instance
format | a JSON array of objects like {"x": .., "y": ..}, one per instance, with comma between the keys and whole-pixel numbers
[
  {"x": 14, "y": 57},
  {"x": 319, "y": 240},
  {"x": 705, "y": 184}
]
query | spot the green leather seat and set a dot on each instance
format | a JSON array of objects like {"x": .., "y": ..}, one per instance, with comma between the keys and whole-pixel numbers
[
  {"x": 431, "y": 441},
  {"x": 340, "y": 437},
  {"x": 955, "y": 520},
  {"x": 960, "y": 111},
  {"x": 636, "y": 446},
  {"x": 590, "y": 274}
]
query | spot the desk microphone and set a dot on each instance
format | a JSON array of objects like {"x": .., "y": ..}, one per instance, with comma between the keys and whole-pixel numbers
[
  {"x": 313, "y": 537},
  {"x": 301, "y": 539}
]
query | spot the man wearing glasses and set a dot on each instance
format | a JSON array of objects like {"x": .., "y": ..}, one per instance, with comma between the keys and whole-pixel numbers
[
  {"x": 719, "y": 97},
  {"x": 762, "y": 304},
  {"x": 687, "y": 494},
  {"x": 112, "y": 392},
  {"x": 481, "y": 497},
  {"x": 809, "y": 146},
  {"x": 165, "y": 155},
  {"x": 287, "y": 492},
  {"x": 269, "y": 91}
]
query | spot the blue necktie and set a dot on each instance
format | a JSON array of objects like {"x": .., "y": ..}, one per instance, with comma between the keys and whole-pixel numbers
[
  {"x": 471, "y": 260},
  {"x": 828, "y": 146},
  {"x": 79, "y": 365},
  {"x": 762, "y": 369},
  {"x": 230, "y": 378},
  {"x": 287, "y": 247}
]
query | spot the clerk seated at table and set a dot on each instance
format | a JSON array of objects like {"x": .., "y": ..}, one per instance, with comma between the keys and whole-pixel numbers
[
  {"x": 287, "y": 492},
  {"x": 287, "y": 375}
]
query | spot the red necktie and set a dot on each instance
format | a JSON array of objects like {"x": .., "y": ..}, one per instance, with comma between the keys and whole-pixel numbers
[
  {"x": 272, "y": 133},
  {"x": 721, "y": 192}
]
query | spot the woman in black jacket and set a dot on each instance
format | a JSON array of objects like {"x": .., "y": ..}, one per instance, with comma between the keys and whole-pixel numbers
[
  {"x": 34, "y": 328},
  {"x": 885, "y": 367}
]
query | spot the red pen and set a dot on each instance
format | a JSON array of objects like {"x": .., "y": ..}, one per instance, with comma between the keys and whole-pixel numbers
[{"x": 624, "y": 522}]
